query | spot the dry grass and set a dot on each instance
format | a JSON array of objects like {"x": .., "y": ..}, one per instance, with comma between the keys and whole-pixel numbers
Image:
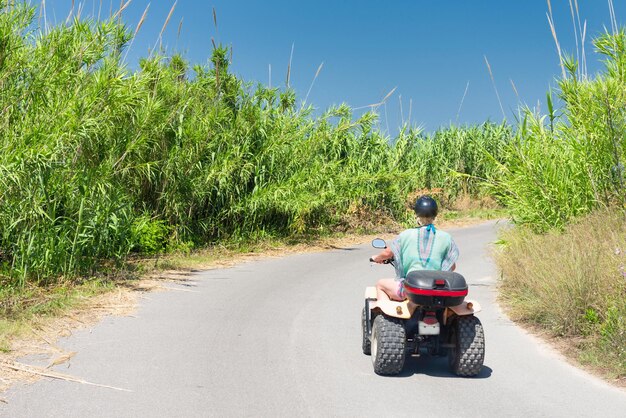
[{"x": 573, "y": 285}]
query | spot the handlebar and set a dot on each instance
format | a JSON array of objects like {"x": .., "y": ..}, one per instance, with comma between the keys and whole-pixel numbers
[{"x": 389, "y": 261}]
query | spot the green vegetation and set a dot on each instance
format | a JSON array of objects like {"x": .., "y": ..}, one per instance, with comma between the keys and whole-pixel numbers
[
  {"x": 569, "y": 162},
  {"x": 98, "y": 162}
]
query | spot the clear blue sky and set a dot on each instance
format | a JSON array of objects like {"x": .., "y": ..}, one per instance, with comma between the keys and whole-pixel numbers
[{"x": 428, "y": 49}]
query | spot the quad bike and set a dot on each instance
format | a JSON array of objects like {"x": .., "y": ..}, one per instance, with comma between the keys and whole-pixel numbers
[{"x": 435, "y": 318}]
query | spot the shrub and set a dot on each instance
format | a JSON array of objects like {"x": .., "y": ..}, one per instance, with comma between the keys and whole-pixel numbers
[{"x": 149, "y": 236}]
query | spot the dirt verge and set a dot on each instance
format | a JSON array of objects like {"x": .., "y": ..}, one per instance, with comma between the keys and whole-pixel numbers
[{"x": 569, "y": 350}]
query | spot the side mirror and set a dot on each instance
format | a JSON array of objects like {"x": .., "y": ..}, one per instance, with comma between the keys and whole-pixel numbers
[{"x": 379, "y": 243}]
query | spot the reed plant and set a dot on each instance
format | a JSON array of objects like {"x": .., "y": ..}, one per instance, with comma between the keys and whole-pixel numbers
[{"x": 570, "y": 161}]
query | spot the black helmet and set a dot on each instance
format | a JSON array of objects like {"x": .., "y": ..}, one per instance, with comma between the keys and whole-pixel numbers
[{"x": 426, "y": 207}]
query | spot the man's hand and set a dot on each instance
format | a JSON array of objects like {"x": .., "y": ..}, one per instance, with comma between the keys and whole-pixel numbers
[{"x": 383, "y": 256}]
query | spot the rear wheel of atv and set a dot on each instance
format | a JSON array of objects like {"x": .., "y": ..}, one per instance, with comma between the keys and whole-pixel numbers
[
  {"x": 367, "y": 345},
  {"x": 388, "y": 345},
  {"x": 468, "y": 352}
]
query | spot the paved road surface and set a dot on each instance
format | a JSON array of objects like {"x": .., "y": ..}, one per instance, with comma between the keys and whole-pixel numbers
[{"x": 281, "y": 337}]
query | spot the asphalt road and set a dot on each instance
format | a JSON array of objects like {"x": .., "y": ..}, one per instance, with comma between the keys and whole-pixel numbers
[{"x": 281, "y": 337}]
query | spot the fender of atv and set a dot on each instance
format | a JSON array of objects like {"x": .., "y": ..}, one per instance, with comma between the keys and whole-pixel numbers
[
  {"x": 403, "y": 310},
  {"x": 463, "y": 310}
]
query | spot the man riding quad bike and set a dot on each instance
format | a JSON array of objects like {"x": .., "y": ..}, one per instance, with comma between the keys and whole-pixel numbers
[{"x": 424, "y": 307}]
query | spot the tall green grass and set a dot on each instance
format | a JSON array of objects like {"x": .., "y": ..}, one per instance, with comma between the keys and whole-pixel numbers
[
  {"x": 98, "y": 161},
  {"x": 569, "y": 162}
]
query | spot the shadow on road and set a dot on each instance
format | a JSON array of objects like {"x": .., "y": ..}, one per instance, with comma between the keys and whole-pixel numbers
[{"x": 436, "y": 367}]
